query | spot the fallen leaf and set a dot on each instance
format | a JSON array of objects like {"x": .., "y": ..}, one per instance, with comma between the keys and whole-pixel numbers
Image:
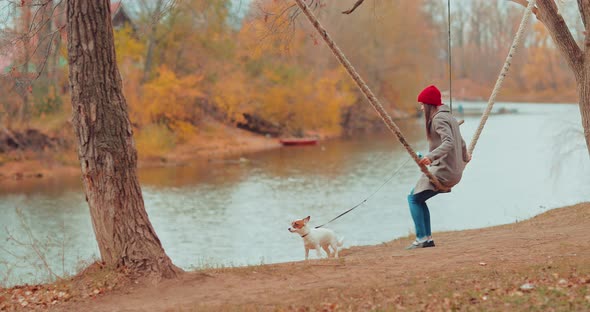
[{"x": 328, "y": 307}]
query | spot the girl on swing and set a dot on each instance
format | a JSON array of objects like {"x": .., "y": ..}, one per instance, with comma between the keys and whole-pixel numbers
[{"x": 447, "y": 158}]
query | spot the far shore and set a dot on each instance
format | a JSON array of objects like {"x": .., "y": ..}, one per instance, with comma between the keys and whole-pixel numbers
[{"x": 231, "y": 143}]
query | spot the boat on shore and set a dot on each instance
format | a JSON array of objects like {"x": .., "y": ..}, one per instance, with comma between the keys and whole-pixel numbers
[{"x": 298, "y": 141}]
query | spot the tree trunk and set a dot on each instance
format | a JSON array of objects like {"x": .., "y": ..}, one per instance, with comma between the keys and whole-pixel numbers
[
  {"x": 583, "y": 84},
  {"x": 584, "y": 80},
  {"x": 106, "y": 148},
  {"x": 155, "y": 20},
  {"x": 584, "y": 97}
]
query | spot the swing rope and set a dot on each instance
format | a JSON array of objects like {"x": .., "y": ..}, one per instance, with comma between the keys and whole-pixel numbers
[
  {"x": 515, "y": 43},
  {"x": 449, "y": 53},
  {"x": 367, "y": 92},
  {"x": 379, "y": 108}
]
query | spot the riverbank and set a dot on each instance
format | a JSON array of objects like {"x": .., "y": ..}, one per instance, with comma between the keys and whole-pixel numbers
[
  {"x": 222, "y": 143},
  {"x": 539, "y": 264},
  {"x": 214, "y": 142}
]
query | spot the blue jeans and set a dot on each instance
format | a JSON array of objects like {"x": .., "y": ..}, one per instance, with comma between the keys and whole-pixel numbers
[{"x": 420, "y": 213}]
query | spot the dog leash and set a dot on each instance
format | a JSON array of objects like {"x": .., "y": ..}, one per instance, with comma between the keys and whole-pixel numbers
[{"x": 377, "y": 190}]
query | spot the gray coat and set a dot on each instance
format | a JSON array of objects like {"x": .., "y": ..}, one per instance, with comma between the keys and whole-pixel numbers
[{"x": 447, "y": 151}]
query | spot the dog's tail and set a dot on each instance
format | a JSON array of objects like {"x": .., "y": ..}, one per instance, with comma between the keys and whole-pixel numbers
[{"x": 340, "y": 242}]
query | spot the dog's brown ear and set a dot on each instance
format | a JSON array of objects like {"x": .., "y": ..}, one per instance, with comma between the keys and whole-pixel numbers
[{"x": 307, "y": 219}]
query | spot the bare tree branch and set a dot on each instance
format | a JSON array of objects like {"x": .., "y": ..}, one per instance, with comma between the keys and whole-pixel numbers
[
  {"x": 48, "y": 51},
  {"x": 34, "y": 29},
  {"x": 280, "y": 23},
  {"x": 547, "y": 12},
  {"x": 356, "y": 5},
  {"x": 561, "y": 35}
]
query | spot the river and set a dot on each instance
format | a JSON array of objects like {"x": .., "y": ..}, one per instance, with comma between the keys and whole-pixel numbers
[{"x": 235, "y": 213}]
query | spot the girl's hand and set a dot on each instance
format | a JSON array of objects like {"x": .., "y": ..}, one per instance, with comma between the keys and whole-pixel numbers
[
  {"x": 425, "y": 161},
  {"x": 468, "y": 158}
]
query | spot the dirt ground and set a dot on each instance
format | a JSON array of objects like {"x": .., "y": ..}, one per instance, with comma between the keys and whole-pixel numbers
[{"x": 542, "y": 264}]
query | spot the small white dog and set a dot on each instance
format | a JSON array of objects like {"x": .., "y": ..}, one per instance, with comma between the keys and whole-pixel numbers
[{"x": 316, "y": 238}]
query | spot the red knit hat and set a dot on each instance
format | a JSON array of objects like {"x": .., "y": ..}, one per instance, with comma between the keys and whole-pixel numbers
[{"x": 430, "y": 95}]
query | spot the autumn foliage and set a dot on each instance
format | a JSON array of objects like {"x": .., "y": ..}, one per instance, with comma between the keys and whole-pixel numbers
[{"x": 203, "y": 61}]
